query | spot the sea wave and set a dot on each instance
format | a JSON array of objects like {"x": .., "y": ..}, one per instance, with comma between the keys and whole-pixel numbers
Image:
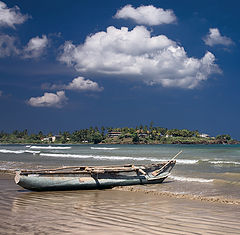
[
  {"x": 187, "y": 161},
  {"x": 103, "y": 148},
  {"x": 188, "y": 179},
  {"x": 11, "y": 151},
  {"x": 100, "y": 157},
  {"x": 49, "y": 147},
  {"x": 18, "y": 151},
  {"x": 225, "y": 162},
  {"x": 115, "y": 158}
]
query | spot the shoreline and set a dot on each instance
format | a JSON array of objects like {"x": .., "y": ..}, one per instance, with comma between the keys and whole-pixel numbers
[
  {"x": 9, "y": 175},
  {"x": 180, "y": 196},
  {"x": 120, "y": 143}
]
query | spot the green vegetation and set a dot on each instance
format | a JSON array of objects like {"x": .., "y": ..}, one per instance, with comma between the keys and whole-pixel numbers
[{"x": 125, "y": 135}]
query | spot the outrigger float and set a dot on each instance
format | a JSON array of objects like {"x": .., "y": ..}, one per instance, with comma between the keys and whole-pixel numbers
[{"x": 94, "y": 177}]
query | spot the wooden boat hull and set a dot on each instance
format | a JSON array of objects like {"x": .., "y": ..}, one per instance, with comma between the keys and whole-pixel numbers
[
  {"x": 48, "y": 183},
  {"x": 48, "y": 180}
]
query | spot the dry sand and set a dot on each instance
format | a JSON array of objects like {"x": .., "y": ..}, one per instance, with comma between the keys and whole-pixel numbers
[{"x": 110, "y": 212}]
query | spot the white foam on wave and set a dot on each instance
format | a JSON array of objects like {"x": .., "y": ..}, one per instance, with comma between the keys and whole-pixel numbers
[
  {"x": 114, "y": 158},
  {"x": 100, "y": 157},
  {"x": 103, "y": 148},
  {"x": 225, "y": 162},
  {"x": 186, "y": 161},
  {"x": 188, "y": 179},
  {"x": 18, "y": 151},
  {"x": 11, "y": 151},
  {"x": 50, "y": 147}
]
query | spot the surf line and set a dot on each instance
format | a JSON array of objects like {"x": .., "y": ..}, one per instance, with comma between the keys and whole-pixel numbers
[{"x": 179, "y": 195}]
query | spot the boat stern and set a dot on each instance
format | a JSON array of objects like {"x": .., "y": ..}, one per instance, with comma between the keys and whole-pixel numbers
[{"x": 17, "y": 177}]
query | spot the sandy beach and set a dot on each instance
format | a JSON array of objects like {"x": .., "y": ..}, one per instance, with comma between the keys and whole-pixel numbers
[{"x": 115, "y": 211}]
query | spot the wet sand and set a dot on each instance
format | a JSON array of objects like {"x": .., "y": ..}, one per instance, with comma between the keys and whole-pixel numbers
[{"x": 110, "y": 212}]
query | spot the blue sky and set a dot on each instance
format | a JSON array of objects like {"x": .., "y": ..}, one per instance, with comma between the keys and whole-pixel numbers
[{"x": 67, "y": 65}]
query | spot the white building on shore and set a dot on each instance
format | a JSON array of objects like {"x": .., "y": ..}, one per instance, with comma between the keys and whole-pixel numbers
[
  {"x": 51, "y": 138},
  {"x": 203, "y": 135}
]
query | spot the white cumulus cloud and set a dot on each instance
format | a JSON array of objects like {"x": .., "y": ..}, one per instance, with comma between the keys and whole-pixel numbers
[
  {"x": 148, "y": 15},
  {"x": 79, "y": 84},
  {"x": 35, "y": 47},
  {"x": 135, "y": 53},
  {"x": 49, "y": 100},
  {"x": 7, "y": 46},
  {"x": 215, "y": 38},
  {"x": 10, "y": 16}
]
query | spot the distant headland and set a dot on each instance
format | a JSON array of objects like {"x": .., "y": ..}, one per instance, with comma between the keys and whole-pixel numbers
[{"x": 125, "y": 135}]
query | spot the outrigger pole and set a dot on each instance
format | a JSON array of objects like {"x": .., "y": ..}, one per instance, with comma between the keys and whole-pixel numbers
[{"x": 157, "y": 172}]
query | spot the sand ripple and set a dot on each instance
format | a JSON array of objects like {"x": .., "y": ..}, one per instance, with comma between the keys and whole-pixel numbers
[{"x": 110, "y": 212}]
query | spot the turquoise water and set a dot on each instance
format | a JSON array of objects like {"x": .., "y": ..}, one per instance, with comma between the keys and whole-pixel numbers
[{"x": 208, "y": 170}]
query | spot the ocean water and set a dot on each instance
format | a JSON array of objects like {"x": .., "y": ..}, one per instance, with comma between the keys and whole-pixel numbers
[{"x": 201, "y": 170}]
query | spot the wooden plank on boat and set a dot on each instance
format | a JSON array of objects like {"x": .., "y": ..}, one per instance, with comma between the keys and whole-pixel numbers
[
  {"x": 142, "y": 171},
  {"x": 77, "y": 168},
  {"x": 87, "y": 171},
  {"x": 68, "y": 170}
]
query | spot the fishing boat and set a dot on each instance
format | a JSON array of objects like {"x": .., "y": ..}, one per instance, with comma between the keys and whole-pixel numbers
[{"x": 94, "y": 177}]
